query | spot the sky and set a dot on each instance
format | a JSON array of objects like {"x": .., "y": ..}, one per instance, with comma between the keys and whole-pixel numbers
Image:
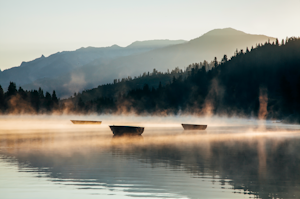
[{"x": 31, "y": 28}]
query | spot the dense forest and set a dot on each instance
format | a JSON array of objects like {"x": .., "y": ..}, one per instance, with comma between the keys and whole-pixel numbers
[
  {"x": 124, "y": 85},
  {"x": 263, "y": 81}
]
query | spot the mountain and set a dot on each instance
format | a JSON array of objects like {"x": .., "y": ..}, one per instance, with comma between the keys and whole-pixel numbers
[
  {"x": 57, "y": 63},
  {"x": 212, "y": 44},
  {"x": 215, "y": 43},
  {"x": 116, "y": 62},
  {"x": 63, "y": 62}
]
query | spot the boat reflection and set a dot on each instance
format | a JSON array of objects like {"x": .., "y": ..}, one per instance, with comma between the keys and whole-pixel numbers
[
  {"x": 129, "y": 136},
  {"x": 195, "y": 132},
  {"x": 126, "y": 139}
]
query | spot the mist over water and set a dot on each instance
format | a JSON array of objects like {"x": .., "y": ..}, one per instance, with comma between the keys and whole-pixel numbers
[{"x": 232, "y": 158}]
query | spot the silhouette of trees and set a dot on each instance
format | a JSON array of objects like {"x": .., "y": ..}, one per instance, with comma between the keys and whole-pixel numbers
[
  {"x": 48, "y": 104},
  {"x": 54, "y": 100},
  {"x": 12, "y": 89},
  {"x": 41, "y": 93},
  {"x": 225, "y": 59},
  {"x": 35, "y": 100},
  {"x": 21, "y": 101}
]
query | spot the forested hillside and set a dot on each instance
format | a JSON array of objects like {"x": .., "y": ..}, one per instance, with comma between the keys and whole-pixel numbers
[
  {"x": 261, "y": 82},
  {"x": 152, "y": 79}
]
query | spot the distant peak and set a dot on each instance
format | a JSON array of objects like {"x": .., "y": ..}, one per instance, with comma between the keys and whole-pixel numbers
[
  {"x": 115, "y": 46},
  {"x": 225, "y": 31},
  {"x": 27, "y": 62}
]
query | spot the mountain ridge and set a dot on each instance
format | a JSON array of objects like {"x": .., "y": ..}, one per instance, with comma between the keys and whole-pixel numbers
[
  {"x": 162, "y": 59},
  {"x": 63, "y": 62},
  {"x": 101, "y": 71}
]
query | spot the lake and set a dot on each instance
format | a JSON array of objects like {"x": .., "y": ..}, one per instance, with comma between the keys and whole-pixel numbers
[{"x": 49, "y": 157}]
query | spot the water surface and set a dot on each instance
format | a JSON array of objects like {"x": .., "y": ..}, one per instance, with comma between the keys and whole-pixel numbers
[{"x": 49, "y": 157}]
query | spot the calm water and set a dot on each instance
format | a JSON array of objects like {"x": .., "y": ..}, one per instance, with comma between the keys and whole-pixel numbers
[{"x": 51, "y": 158}]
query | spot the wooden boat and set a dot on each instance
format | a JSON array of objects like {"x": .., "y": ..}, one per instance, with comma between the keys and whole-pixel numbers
[
  {"x": 194, "y": 126},
  {"x": 85, "y": 122},
  {"x": 127, "y": 130}
]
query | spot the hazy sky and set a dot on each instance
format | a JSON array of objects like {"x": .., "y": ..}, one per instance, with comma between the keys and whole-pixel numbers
[{"x": 31, "y": 28}]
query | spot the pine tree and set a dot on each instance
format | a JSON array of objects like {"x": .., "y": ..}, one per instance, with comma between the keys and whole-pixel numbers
[
  {"x": 35, "y": 100},
  {"x": 224, "y": 59},
  {"x": 54, "y": 98},
  {"x": 22, "y": 93},
  {"x": 41, "y": 93},
  {"x": 48, "y": 102},
  {"x": 215, "y": 62},
  {"x": 12, "y": 89}
]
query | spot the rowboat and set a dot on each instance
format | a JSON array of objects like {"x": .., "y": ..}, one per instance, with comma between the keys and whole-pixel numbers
[
  {"x": 128, "y": 130},
  {"x": 85, "y": 122},
  {"x": 194, "y": 126}
]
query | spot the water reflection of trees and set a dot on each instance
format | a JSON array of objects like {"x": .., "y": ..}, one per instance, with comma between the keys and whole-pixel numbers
[{"x": 266, "y": 167}]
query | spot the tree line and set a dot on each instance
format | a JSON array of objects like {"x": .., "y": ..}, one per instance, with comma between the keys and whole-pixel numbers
[{"x": 20, "y": 101}]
